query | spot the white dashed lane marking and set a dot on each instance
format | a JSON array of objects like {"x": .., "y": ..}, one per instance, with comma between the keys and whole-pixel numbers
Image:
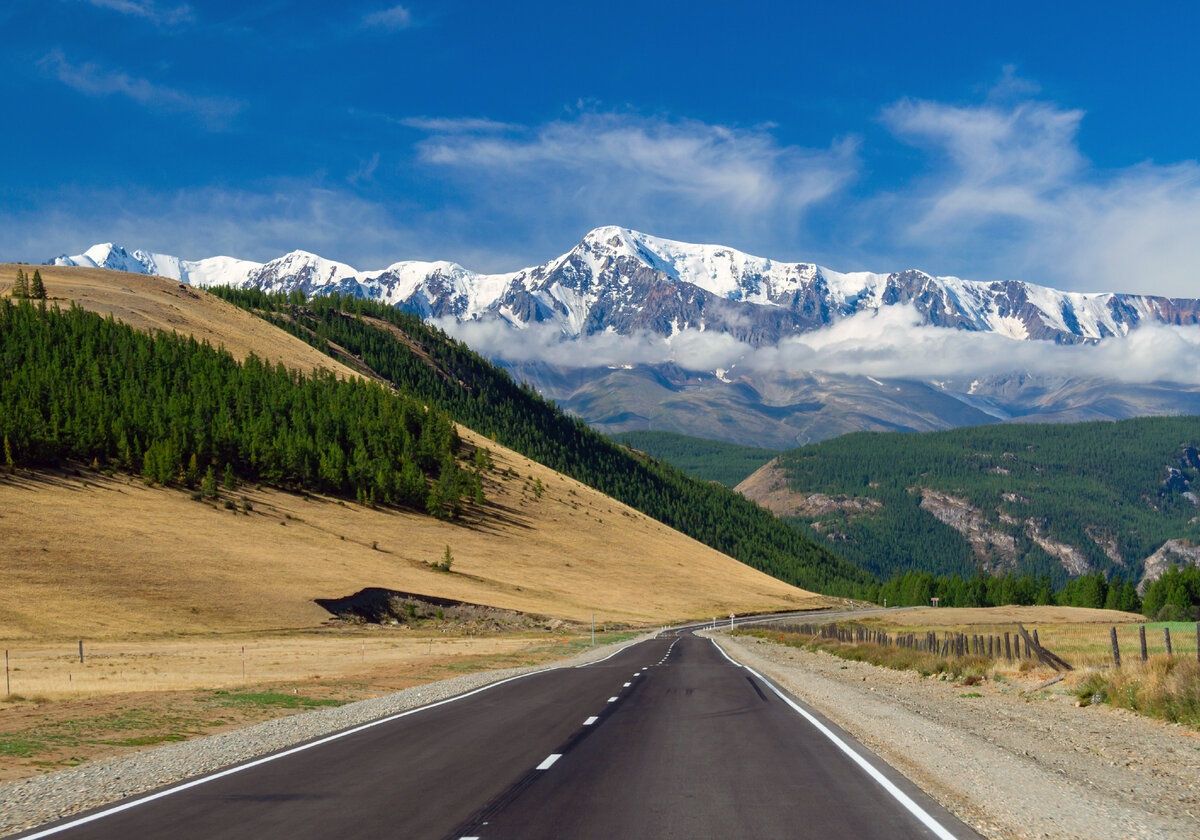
[
  {"x": 626, "y": 685},
  {"x": 612, "y": 699},
  {"x": 590, "y": 721},
  {"x": 550, "y": 759}
]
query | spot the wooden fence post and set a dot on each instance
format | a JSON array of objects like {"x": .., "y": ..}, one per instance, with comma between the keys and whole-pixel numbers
[
  {"x": 1142, "y": 635},
  {"x": 1167, "y": 639},
  {"x": 1112, "y": 632},
  {"x": 1007, "y": 648}
]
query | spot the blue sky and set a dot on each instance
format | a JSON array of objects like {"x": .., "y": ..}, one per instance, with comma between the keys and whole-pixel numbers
[{"x": 989, "y": 140}]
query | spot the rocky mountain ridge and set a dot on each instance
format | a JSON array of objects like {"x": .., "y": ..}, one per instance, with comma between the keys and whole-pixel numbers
[{"x": 626, "y": 282}]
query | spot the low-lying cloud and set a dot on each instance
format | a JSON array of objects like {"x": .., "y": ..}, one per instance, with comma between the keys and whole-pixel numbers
[{"x": 891, "y": 343}]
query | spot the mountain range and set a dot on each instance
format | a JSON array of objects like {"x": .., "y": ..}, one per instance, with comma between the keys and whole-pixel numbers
[{"x": 639, "y": 298}]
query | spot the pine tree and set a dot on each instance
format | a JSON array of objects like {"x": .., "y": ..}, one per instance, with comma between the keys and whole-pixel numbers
[
  {"x": 8, "y": 456},
  {"x": 37, "y": 289},
  {"x": 230, "y": 481},
  {"x": 209, "y": 485},
  {"x": 21, "y": 287}
]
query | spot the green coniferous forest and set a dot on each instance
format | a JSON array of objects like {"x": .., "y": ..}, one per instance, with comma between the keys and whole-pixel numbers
[
  {"x": 1114, "y": 491},
  {"x": 75, "y": 385},
  {"x": 709, "y": 460},
  {"x": 421, "y": 360}
]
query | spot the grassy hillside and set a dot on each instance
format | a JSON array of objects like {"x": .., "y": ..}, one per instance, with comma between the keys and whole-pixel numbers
[
  {"x": 707, "y": 460},
  {"x": 96, "y": 554},
  {"x": 1054, "y": 499},
  {"x": 421, "y": 361}
]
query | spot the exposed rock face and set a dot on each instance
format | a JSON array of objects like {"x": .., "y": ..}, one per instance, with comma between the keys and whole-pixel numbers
[
  {"x": 994, "y": 548},
  {"x": 1073, "y": 560},
  {"x": 1172, "y": 552}
]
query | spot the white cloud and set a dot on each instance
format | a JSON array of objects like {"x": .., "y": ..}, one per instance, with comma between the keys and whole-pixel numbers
[
  {"x": 1014, "y": 196},
  {"x": 94, "y": 80},
  {"x": 393, "y": 19},
  {"x": 454, "y": 125},
  {"x": 148, "y": 9},
  {"x": 650, "y": 172},
  {"x": 890, "y": 343}
]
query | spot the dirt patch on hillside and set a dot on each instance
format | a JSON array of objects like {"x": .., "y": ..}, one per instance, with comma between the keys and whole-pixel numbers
[
  {"x": 768, "y": 487},
  {"x": 375, "y": 605},
  {"x": 1012, "y": 763}
]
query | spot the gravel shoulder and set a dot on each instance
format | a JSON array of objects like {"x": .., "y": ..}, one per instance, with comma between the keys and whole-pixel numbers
[
  {"x": 1010, "y": 766},
  {"x": 34, "y": 801}
]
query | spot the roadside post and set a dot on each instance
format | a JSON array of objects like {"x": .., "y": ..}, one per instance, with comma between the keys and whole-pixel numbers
[
  {"x": 731, "y": 621},
  {"x": 7, "y": 678},
  {"x": 593, "y": 629}
]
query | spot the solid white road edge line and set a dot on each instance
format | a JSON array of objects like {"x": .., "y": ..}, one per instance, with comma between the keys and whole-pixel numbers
[
  {"x": 125, "y": 806},
  {"x": 723, "y": 653},
  {"x": 897, "y": 794},
  {"x": 549, "y": 760}
]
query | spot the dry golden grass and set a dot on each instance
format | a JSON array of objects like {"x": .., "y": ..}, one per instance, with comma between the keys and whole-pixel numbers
[
  {"x": 93, "y": 557},
  {"x": 970, "y": 616},
  {"x": 1079, "y": 635},
  {"x": 108, "y": 558},
  {"x": 53, "y": 671}
]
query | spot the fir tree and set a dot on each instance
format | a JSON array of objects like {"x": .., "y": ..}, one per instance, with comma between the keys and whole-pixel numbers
[
  {"x": 37, "y": 289},
  {"x": 8, "y": 456},
  {"x": 21, "y": 287},
  {"x": 209, "y": 485},
  {"x": 229, "y": 481}
]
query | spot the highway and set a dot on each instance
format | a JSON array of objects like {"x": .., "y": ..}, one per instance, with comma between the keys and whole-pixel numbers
[{"x": 667, "y": 738}]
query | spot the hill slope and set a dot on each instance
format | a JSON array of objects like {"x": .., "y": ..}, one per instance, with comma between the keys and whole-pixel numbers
[
  {"x": 97, "y": 554},
  {"x": 1059, "y": 499},
  {"x": 420, "y": 360}
]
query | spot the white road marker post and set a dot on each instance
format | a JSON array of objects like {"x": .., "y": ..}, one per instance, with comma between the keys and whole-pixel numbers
[
  {"x": 7, "y": 678},
  {"x": 731, "y": 621},
  {"x": 243, "y": 663},
  {"x": 593, "y": 629}
]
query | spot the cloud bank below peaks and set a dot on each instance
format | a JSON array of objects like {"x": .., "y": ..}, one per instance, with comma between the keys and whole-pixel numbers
[{"x": 890, "y": 343}]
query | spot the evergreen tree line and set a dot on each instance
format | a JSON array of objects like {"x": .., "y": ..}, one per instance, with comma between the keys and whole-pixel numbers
[
  {"x": 29, "y": 287},
  {"x": 915, "y": 588},
  {"x": 74, "y": 385},
  {"x": 1175, "y": 596},
  {"x": 421, "y": 360}
]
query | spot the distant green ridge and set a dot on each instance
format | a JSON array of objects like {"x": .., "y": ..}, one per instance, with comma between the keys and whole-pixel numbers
[
  {"x": 707, "y": 460},
  {"x": 1103, "y": 488}
]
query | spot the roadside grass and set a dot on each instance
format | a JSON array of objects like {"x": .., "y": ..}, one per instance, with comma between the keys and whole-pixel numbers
[
  {"x": 123, "y": 706},
  {"x": 927, "y": 664},
  {"x": 1165, "y": 687},
  {"x": 274, "y": 699}
]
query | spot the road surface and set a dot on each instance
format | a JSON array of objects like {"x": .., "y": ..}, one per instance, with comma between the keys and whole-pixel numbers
[{"x": 667, "y": 738}]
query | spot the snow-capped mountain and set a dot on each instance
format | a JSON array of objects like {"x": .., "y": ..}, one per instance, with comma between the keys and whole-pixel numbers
[{"x": 622, "y": 281}]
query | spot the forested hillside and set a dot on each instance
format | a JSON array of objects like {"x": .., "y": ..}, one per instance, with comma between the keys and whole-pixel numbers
[
  {"x": 708, "y": 460},
  {"x": 1059, "y": 500},
  {"x": 177, "y": 411},
  {"x": 423, "y": 362}
]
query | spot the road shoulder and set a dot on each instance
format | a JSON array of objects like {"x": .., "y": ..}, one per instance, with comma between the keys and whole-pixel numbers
[{"x": 1008, "y": 766}]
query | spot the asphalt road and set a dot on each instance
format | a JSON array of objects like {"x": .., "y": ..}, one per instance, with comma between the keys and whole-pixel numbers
[{"x": 666, "y": 739}]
